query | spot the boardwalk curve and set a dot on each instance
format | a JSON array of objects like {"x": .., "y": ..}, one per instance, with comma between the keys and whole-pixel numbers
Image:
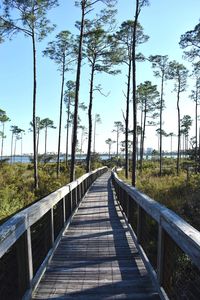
[{"x": 96, "y": 257}]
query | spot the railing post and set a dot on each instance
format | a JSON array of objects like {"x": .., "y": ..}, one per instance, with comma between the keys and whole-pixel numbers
[
  {"x": 30, "y": 258},
  {"x": 64, "y": 209},
  {"x": 127, "y": 206},
  {"x": 23, "y": 272},
  {"x": 52, "y": 227},
  {"x": 83, "y": 188},
  {"x": 139, "y": 224},
  {"x": 71, "y": 199},
  {"x": 80, "y": 191},
  {"x": 160, "y": 261},
  {"x": 76, "y": 195}
]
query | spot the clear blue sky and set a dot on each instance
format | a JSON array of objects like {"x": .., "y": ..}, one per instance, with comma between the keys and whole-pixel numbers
[{"x": 163, "y": 21}]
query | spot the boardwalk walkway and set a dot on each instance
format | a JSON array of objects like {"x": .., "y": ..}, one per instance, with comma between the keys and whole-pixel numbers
[{"x": 96, "y": 258}]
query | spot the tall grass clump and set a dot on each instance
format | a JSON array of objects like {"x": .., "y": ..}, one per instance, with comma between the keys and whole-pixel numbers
[{"x": 179, "y": 193}]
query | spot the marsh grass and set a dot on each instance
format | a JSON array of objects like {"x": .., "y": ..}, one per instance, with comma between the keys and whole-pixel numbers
[
  {"x": 179, "y": 193},
  {"x": 17, "y": 185}
]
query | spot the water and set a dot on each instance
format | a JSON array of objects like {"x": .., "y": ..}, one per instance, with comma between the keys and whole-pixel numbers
[
  {"x": 28, "y": 159},
  {"x": 103, "y": 156}
]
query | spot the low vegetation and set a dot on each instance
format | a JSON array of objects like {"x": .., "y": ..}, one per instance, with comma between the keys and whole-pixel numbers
[
  {"x": 179, "y": 193},
  {"x": 17, "y": 183}
]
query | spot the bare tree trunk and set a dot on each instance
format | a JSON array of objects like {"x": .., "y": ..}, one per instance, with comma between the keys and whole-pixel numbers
[
  {"x": 2, "y": 141},
  {"x": 88, "y": 159},
  {"x": 81, "y": 148},
  {"x": 67, "y": 137},
  {"x": 35, "y": 155},
  {"x": 94, "y": 141},
  {"x": 60, "y": 120},
  {"x": 199, "y": 149},
  {"x": 138, "y": 144},
  {"x": 117, "y": 144},
  {"x": 11, "y": 153},
  {"x": 134, "y": 153},
  {"x": 15, "y": 148},
  {"x": 78, "y": 75},
  {"x": 143, "y": 136},
  {"x": 179, "y": 131},
  {"x": 45, "y": 147},
  {"x": 38, "y": 139},
  {"x": 161, "y": 110},
  {"x": 196, "y": 118},
  {"x": 127, "y": 121}
]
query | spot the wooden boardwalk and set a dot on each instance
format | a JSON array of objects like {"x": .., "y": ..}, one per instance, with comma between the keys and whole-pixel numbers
[{"x": 96, "y": 257}]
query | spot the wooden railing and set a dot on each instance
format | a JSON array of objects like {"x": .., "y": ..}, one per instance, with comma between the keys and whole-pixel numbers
[
  {"x": 28, "y": 239},
  {"x": 171, "y": 246}
]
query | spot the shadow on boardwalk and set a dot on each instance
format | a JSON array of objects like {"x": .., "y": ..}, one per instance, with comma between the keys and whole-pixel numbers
[{"x": 97, "y": 258}]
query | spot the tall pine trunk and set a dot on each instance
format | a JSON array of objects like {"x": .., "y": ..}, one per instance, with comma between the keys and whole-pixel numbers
[
  {"x": 179, "y": 130},
  {"x": 196, "y": 120},
  {"x": 21, "y": 147},
  {"x": 94, "y": 141},
  {"x": 45, "y": 146},
  {"x": 15, "y": 147},
  {"x": 2, "y": 141},
  {"x": 117, "y": 145},
  {"x": 199, "y": 151},
  {"x": 127, "y": 121},
  {"x": 143, "y": 136},
  {"x": 35, "y": 155},
  {"x": 88, "y": 159},
  {"x": 161, "y": 110},
  {"x": 60, "y": 119},
  {"x": 78, "y": 76},
  {"x": 38, "y": 140},
  {"x": 11, "y": 153},
  {"x": 134, "y": 153},
  {"x": 67, "y": 135}
]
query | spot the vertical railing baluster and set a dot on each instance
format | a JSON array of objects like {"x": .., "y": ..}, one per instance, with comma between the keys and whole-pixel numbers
[
  {"x": 139, "y": 224},
  {"x": 64, "y": 209},
  {"x": 30, "y": 257},
  {"x": 52, "y": 227},
  {"x": 127, "y": 205},
  {"x": 71, "y": 200},
  {"x": 76, "y": 196},
  {"x": 79, "y": 192},
  {"x": 160, "y": 261}
]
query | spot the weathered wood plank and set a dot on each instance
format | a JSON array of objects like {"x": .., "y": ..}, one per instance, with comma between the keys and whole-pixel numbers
[{"x": 96, "y": 258}]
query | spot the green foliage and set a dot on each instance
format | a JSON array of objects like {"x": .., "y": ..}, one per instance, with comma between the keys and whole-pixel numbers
[
  {"x": 96, "y": 161},
  {"x": 31, "y": 18},
  {"x": 179, "y": 73},
  {"x": 17, "y": 185},
  {"x": 191, "y": 41},
  {"x": 61, "y": 50},
  {"x": 179, "y": 193}
]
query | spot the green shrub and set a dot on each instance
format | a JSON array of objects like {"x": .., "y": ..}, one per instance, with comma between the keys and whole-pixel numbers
[{"x": 179, "y": 193}]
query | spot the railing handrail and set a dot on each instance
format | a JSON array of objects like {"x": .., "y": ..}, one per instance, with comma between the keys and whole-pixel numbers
[
  {"x": 13, "y": 228},
  {"x": 185, "y": 235}
]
